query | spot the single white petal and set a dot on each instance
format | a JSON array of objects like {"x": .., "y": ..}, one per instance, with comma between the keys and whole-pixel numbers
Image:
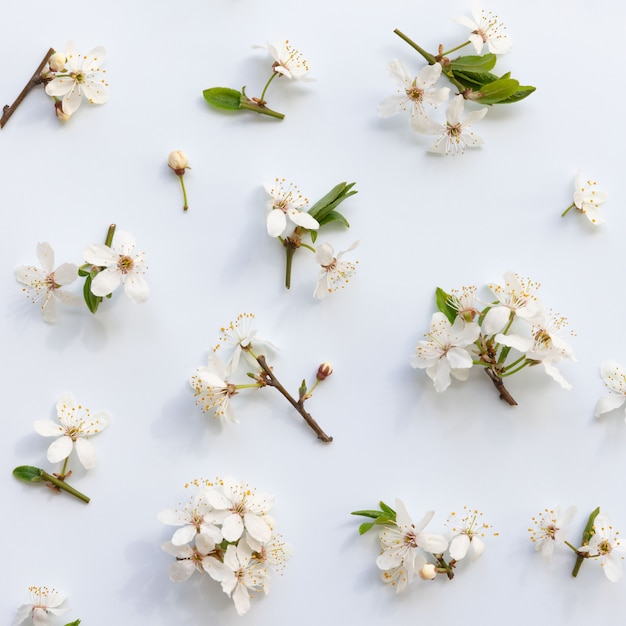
[
  {"x": 495, "y": 319},
  {"x": 605, "y": 404},
  {"x": 48, "y": 428},
  {"x": 276, "y": 223},
  {"x": 459, "y": 546},
  {"x": 257, "y": 527},
  {"x": 60, "y": 449},
  {"x": 458, "y": 358},
  {"x": 241, "y": 598},
  {"x": 136, "y": 288},
  {"x": 613, "y": 567},
  {"x": 106, "y": 282},
  {"x": 65, "y": 274},
  {"x": 181, "y": 571},
  {"x": 86, "y": 453},
  {"x": 232, "y": 527},
  {"x": 184, "y": 535},
  {"x": 99, "y": 254},
  {"x": 45, "y": 254},
  {"x": 300, "y": 218},
  {"x": 391, "y": 105}
]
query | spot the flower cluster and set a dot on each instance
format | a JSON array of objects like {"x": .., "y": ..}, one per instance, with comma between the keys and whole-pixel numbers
[
  {"x": 406, "y": 549},
  {"x": 288, "y": 63},
  {"x": 225, "y": 531},
  {"x": 108, "y": 265},
  {"x": 76, "y": 424},
  {"x": 69, "y": 78},
  {"x": 587, "y": 199},
  {"x": 45, "y": 604},
  {"x": 465, "y": 334},
  {"x": 213, "y": 383},
  {"x": 289, "y": 219},
  {"x": 600, "y": 541},
  {"x": 472, "y": 77}
]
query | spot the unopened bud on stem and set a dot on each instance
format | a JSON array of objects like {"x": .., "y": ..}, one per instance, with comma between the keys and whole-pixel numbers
[
  {"x": 324, "y": 371},
  {"x": 428, "y": 572}
]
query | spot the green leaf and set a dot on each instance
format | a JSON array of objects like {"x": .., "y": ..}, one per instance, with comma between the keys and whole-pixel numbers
[
  {"x": 28, "y": 473},
  {"x": 85, "y": 270},
  {"x": 223, "y": 98},
  {"x": 589, "y": 531},
  {"x": 442, "y": 299},
  {"x": 367, "y": 513},
  {"x": 91, "y": 301},
  {"x": 76, "y": 623},
  {"x": 522, "y": 92},
  {"x": 334, "y": 216},
  {"x": 313, "y": 235},
  {"x": 474, "y": 63},
  {"x": 387, "y": 509},
  {"x": 497, "y": 91},
  {"x": 331, "y": 200},
  {"x": 363, "y": 528},
  {"x": 475, "y": 79}
]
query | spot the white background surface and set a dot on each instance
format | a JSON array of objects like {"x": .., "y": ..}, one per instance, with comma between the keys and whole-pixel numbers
[{"x": 423, "y": 221}]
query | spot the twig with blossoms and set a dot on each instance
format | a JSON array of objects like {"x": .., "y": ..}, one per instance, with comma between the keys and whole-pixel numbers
[
  {"x": 45, "y": 604},
  {"x": 406, "y": 550},
  {"x": 463, "y": 336},
  {"x": 212, "y": 383},
  {"x": 75, "y": 426},
  {"x": 68, "y": 78},
  {"x": 600, "y": 541},
  {"x": 288, "y": 219},
  {"x": 225, "y": 530},
  {"x": 288, "y": 63}
]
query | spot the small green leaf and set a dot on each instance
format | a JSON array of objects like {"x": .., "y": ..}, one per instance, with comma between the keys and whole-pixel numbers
[
  {"x": 367, "y": 513},
  {"x": 522, "y": 92},
  {"x": 91, "y": 301},
  {"x": 334, "y": 216},
  {"x": 473, "y": 63},
  {"x": 223, "y": 98},
  {"x": 475, "y": 79},
  {"x": 76, "y": 623},
  {"x": 313, "y": 235},
  {"x": 589, "y": 531},
  {"x": 443, "y": 305},
  {"x": 497, "y": 91},
  {"x": 387, "y": 509},
  {"x": 331, "y": 200},
  {"x": 28, "y": 473},
  {"x": 84, "y": 270},
  {"x": 363, "y": 528}
]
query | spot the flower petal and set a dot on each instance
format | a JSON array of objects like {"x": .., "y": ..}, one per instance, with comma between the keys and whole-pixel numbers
[
  {"x": 86, "y": 453},
  {"x": 60, "y": 449}
]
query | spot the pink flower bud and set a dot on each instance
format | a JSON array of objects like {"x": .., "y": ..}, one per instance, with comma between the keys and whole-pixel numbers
[{"x": 324, "y": 371}]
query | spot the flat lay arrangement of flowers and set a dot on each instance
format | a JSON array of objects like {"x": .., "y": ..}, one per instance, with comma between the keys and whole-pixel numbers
[{"x": 410, "y": 208}]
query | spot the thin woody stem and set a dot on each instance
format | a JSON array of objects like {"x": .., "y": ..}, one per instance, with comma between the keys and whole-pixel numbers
[
  {"x": 272, "y": 381},
  {"x": 35, "y": 80},
  {"x": 64, "y": 486},
  {"x": 497, "y": 381}
]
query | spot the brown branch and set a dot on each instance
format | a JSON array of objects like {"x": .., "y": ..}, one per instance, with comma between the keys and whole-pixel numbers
[
  {"x": 497, "y": 381},
  {"x": 35, "y": 80},
  {"x": 298, "y": 405}
]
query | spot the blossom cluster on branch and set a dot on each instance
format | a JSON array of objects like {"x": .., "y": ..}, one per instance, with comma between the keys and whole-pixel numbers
[
  {"x": 407, "y": 550},
  {"x": 225, "y": 530},
  {"x": 466, "y": 333}
]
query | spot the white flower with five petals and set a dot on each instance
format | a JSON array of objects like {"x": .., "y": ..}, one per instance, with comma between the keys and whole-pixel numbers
[
  {"x": 614, "y": 377},
  {"x": 122, "y": 265},
  {"x": 44, "y": 605},
  {"x": 76, "y": 425},
  {"x": 288, "y": 61},
  {"x": 193, "y": 519},
  {"x": 443, "y": 352},
  {"x": 469, "y": 533},
  {"x": 550, "y": 528},
  {"x": 45, "y": 283},
  {"x": 335, "y": 273},
  {"x": 212, "y": 389},
  {"x": 286, "y": 205},
  {"x": 486, "y": 29},
  {"x": 83, "y": 80},
  {"x": 456, "y": 134},
  {"x": 588, "y": 200},
  {"x": 606, "y": 545},
  {"x": 189, "y": 559},
  {"x": 415, "y": 92}
]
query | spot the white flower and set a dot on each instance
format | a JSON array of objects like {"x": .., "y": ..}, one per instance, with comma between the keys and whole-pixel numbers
[
  {"x": 44, "y": 603},
  {"x": 189, "y": 558},
  {"x": 517, "y": 297},
  {"x": 399, "y": 577},
  {"x": 486, "y": 30},
  {"x": 240, "y": 335},
  {"x": 123, "y": 265},
  {"x": 614, "y": 377},
  {"x": 238, "y": 508},
  {"x": 443, "y": 353},
  {"x": 455, "y": 135},
  {"x": 414, "y": 92},
  {"x": 275, "y": 553},
  {"x": 84, "y": 78},
  {"x": 335, "y": 273},
  {"x": 178, "y": 161},
  {"x": 606, "y": 545},
  {"x": 212, "y": 389},
  {"x": 45, "y": 283},
  {"x": 469, "y": 534},
  {"x": 464, "y": 303},
  {"x": 544, "y": 346},
  {"x": 286, "y": 203},
  {"x": 400, "y": 542},
  {"x": 587, "y": 200},
  {"x": 76, "y": 425},
  {"x": 239, "y": 574},
  {"x": 287, "y": 60},
  {"x": 550, "y": 528},
  {"x": 194, "y": 519}
]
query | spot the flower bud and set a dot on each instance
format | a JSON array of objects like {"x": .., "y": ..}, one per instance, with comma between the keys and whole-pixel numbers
[
  {"x": 57, "y": 62},
  {"x": 61, "y": 114},
  {"x": 324, "y": 371},
  {"x": 178, "y": 161},
  {"x": 428, "y": 571}
]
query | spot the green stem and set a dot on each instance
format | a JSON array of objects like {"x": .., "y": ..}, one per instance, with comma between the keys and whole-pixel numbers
[
  {"x": 429, "y": 57},
  {"x": 514, "y": 371},
  {"x": 260, "y": 108},
  {"x": 571, "y": 206},
  {"x": 248, "y": 386},
  {"x": 267, "y": 84},
  {"x": 289, "y": 251},
  {"x": 510, "y": 365},
  {"x": 64, "y": 486},
  {"x": 311, "y": 248},
  {"x": 447, "y": 52},
  {"x": 182, "y": 184},
  {"x": 67, "y": 458},
  {"x": 109, "y": 239}
]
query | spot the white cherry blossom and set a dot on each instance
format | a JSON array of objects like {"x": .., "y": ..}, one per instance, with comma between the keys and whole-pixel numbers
[
  {"x": 193, "y": 519},
  {"x": 76, "y": 425},
  {"x": 287, "y": 60},
  {"x": 286, "y": 205},
  {"x": 83, "y": 80},
  {"x": 549, "y": 529},
  {"x": 486, "y": 29},
  {"x": 469, "y": 531},
  {"x": 614, "y": 377},
  {"x": 335, "y": 273},
  {"x": 587, "y": 199},
  {"x": 189, "y": 559},
  {"x": 606, "y": 545},
  {"x": 44, "y": 605},
  {"x": 212, "y": 389},
  {"x": 45, "y": 283}
]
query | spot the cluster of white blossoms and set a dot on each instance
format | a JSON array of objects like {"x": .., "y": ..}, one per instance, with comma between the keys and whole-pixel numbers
[
  {"x": 225, "y": 530},
  {"x": 73, "y": 77},
  {"x": 287, "y": 219},
  {"x": 600, "y": 542},
  {"x": 407, "y": 550},
  {"x": 106, "y": 268},
  {"x": 466, "y": 333},
  {"x": 45, "y": 605}
]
